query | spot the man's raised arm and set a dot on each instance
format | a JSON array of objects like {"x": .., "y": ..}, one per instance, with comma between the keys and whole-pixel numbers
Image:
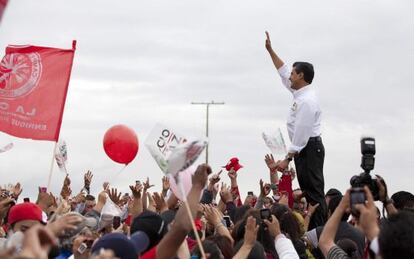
[{"x": 279, "y": 64}]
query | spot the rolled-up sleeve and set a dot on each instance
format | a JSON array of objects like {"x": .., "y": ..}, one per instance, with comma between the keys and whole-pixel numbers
[
  {"x": 284, "y": 73},
  {"x": 305, "y": 118}
]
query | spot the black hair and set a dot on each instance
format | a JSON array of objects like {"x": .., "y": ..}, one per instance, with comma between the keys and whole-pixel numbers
[
  {"x": 396, "y": 238},
  {"x": 209, "y": 248},
  {"x": 333, "y": 204},
  {"x": 240, "y": 213},
  {"x": 90, "y": 197},
  {"x": 257, "y": 251},
  {"x": 403, "y": 199},
  {"x": 350, "y": 247},
  {"x": 224, "y": 244},
  {"x": 305, "y": 68}
]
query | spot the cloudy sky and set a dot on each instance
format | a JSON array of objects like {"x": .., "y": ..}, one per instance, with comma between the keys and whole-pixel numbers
[{"x": 143, "y": 62}]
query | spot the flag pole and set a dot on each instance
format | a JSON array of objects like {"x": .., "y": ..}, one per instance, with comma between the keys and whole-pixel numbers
[
  {"x": 51, "y": 167},
  {"x": 187, "y": 206}
]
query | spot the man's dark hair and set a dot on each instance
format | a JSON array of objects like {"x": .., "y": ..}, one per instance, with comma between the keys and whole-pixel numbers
[
  {"x": 89, "y": 197},
  {"x": 209, "y": 247},
  {"x": 403, "y": 200},
  {"x": 396, "y": 238},
  {"x": 333, "y": 204},
  {"x": 305, "y": 68}
]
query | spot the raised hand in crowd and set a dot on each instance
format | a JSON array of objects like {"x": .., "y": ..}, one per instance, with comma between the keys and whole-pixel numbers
[
  {"x": 5, "y": 205},
  {"x": 165, "y": 185},
  {"x": 147, "y": 185},
  {"x": 368, "y": 216},
  {"x": 215, "y": 178},
  {"x": 64, "y": 223},
  {"x": 45, "y": 200},
  {"x": 264, "y": 189},
  {"x": 250, "y": 237},
  {"x": 105, "y": 186},
  {"x": 225, "y": 193},
  {"x": 66, "y": 191},
  {"x": 136, "y": 190},
  {"x": 233, "y": 177},
  {"x": 383, "y": 196},
  {"x": 160, "y": 203},
  {"x": 114, "y": 196},
  {"x": 37, "y": 242},
  {"x": 270, "y": 162},
  {"x": 87, "y": 180},
  {"x": 16, "y": 191}
]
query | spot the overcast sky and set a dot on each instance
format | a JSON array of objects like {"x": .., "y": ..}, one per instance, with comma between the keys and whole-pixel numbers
[{"x": 143, "y": 62}]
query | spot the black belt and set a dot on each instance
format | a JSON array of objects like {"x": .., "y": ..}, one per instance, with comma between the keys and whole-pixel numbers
[{"x": 315, "y": 139}]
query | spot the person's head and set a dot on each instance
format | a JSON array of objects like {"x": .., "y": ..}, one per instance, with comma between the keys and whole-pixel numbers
[
  {"x": 332, "y": 193},
  {"x": 90, "y": 202},
  {"x": 257, "y": 251},
  {"x": 267, "y": 202},
  {"x": 25, "y": 215},
  {"x": 350, "y": 247},
  {"x": 240, "y": 213},
  {"x": 333, "y": 204},
  {"x": 151, "y": 224},
  {"x": 301, "y": 75},
  {"x": 403, "y": 200},
  {"x": 396, "y": 237},
  {"x": 224, "y": 244},
  {"x": 210, "y": 248},
  {"x": 121, "y": 245}
]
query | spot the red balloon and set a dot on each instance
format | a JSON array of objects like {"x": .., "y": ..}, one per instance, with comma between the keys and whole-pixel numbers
[{"x": 121, "y": 144}]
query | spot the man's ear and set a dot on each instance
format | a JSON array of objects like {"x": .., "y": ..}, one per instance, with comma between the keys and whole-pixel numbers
[{"x": 301, "y": 75}]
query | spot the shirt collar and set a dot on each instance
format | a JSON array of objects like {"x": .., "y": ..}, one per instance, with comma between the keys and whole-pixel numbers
[{"x": 302, "y": 91}]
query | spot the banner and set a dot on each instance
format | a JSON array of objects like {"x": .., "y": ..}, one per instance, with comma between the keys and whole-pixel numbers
[
  {"x": 61, "y": 155},
  {"x": 33, "y": 86},
  {"x": 160, "y": 143}
]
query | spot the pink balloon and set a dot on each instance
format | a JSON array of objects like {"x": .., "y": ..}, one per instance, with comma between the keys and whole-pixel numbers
[
  {"x": 185, "y": 177},
  {"x": 121, "y": 144}
]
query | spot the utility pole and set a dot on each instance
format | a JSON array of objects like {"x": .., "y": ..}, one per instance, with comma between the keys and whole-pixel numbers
[{"x": 207, "y": 104}]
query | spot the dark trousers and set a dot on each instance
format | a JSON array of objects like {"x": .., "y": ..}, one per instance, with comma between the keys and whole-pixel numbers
[{"x": 309, "y": 167}]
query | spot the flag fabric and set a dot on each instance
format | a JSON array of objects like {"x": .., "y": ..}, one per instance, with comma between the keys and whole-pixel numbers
[
  {"x": 3, "y": 4},
  {"x": 6, "y": 147},
  {"x": 160, "y": 143},
  {"x": 276, "y": 143},
  {"x": 33, "y": 86}
]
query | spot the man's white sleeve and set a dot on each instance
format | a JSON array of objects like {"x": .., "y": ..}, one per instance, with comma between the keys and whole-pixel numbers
[
  {"x": 284, "y": 73},
  {"x": 305, "y": 118},
  {"x": 285, "y": 248}
]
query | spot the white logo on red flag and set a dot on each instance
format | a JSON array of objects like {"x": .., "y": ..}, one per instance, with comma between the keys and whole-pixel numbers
[
  {"x": 33, "y": 85},
  {"x": 19, "y": 74}
]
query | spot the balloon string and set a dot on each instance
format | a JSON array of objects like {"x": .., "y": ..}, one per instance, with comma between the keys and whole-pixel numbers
[{"x": 123, "y": 168}]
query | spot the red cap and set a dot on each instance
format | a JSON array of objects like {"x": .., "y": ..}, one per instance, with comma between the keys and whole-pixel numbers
[
  {"x": 25, "y": 211},
  {"x": 198, "y": 224},
  {"x": 234, "y": 162}
]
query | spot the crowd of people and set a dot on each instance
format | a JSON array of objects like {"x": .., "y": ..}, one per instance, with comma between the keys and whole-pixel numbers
[{"x": 147, "y": 224}]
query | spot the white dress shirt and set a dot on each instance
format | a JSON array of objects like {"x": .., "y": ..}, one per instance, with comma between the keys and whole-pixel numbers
[{"x": 304, "y": 120}]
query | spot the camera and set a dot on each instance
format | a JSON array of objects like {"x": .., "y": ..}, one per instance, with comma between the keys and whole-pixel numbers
[{"x": 367, "y": 164}]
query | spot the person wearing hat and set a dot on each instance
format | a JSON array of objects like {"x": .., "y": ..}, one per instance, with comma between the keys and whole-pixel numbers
[
  {"x": 304, "y": 128},
  {"x": 25, "y": 215}
]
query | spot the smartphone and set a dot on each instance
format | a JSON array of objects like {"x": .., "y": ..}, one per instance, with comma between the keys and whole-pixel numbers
[
  {"x": 137, "y": 182},
  {"x": 43, "y": 189},
  {"x": 26, "y": 200},
  {"x": 250, "y": 193},
  {"x": 227, "y": 221},
  {"x": 357, "y": 196},
  {"x": 265, "y": 214},
  {"x": 116, "y": 222},
  {"x": 87, "y": 244}
]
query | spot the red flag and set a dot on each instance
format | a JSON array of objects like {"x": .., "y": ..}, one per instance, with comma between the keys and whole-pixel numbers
[
  {"x": 33, "y": 85},
  {"x": 3, "y": 4}
]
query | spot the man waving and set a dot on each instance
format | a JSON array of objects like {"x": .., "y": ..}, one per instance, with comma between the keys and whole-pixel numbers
[{"x": 304, "y": 128}]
